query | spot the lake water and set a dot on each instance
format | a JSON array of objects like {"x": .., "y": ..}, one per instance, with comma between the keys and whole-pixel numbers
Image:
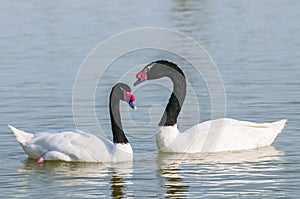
[{"x": 255, "y": 45}]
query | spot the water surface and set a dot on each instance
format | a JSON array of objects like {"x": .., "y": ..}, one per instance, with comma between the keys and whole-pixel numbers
[{"x": 255, "y": 45}]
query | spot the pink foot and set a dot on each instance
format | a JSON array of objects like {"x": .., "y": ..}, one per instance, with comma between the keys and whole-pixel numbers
[{"x": 41, "y": 160}]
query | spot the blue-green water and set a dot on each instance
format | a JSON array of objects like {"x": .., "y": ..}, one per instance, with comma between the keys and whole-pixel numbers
[{"x": 255, "y": 45}]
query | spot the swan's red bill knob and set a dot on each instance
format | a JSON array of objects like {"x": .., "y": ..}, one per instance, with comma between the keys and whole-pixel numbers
[
  {"x": 129, "y": 97},
  {"x": 141, "y": 76},
  {"x": 132, "y": 98}
]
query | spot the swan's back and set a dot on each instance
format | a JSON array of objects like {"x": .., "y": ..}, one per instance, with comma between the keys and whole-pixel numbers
[
  {"x": 219, "y": 135},
  {"x": 240, "y": 135},
  {"x": 67, "y": 146}
]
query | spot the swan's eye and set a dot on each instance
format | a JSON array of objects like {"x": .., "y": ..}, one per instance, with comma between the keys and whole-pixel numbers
[
  {"x": 123, "y": 90},
  {"x": 149, "y": 67}
]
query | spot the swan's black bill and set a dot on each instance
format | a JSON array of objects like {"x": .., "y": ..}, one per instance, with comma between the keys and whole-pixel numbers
[
  {"x": 132, "y": 105},
  {"x": 138, "y": 82}
]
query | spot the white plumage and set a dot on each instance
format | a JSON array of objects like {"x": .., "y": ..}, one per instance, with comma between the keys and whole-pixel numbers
[
  {"x": 218, "y": 135},
  {"x": 211, "y": 136},
  {"x": 78, "y": 146},
  {"x": 72, "y": 146}
]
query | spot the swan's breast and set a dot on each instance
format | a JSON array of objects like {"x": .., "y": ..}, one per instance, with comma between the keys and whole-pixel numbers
[
  {"x": 122, "y": 152},
  {"x": 166, "y": 137}
]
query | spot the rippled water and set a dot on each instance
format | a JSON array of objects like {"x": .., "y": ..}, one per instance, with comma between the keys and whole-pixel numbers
[{"x": 255, "y": 45}]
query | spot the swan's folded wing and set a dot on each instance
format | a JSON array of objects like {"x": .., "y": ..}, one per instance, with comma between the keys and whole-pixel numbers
[{"x": 78, "y": 146}]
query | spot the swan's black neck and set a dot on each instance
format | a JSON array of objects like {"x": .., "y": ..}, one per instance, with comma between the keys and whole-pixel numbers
[
  {"x": 115, "y": 117},
  {"x": 173, "y": 108}
]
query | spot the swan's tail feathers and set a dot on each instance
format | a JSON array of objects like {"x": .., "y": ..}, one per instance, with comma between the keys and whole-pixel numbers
[
  {"x": 21, "y": 136},
  {"x": 279, "y": 125}
]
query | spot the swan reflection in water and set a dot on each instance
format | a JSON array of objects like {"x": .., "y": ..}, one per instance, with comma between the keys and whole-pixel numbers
[
  {"x": 220, "y": 173},
  {"x": 173, "y": 182},
  {"x": 120, "y": 179},
  {"x": 76, "y": 179},
  {"x": 252, "y": 172}
]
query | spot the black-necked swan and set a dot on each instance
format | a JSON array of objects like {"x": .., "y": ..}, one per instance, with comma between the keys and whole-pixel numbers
[
  {"x": 79, "y": 146},
  {"x": 234, "y": 134}
]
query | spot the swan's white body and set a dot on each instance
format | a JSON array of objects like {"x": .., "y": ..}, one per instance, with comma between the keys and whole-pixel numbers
[
  {"x": 72, "y": 146},
  {"x": 218, "y": 135},
  {"x": 212, "y": 136}
]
